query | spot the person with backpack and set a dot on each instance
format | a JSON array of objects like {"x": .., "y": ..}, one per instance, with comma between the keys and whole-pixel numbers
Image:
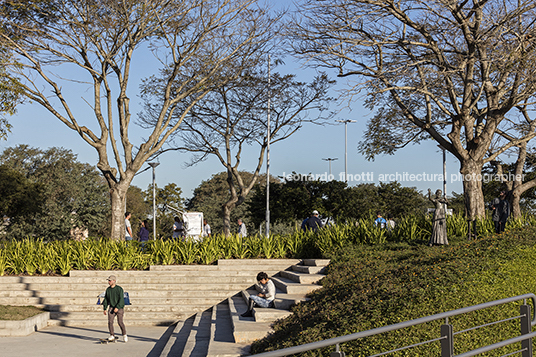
[{"x": 114, "y": 302}]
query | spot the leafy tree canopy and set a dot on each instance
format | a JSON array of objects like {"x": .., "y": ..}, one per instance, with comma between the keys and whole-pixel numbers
[
  {"x": 20, "y": 196},
  {"x": 294, "y": 200},
  {"x": 75, "y": 193}
]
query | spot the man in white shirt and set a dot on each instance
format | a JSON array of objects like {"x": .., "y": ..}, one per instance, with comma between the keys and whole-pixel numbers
[
  {"x": 265, "y": 296},
  {"x": 242, "y": 230},
  {"x": 128, "y": 228},
  {"x": 206, "y": 229}
]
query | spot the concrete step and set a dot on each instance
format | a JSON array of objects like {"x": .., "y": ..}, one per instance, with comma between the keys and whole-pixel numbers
[
  {"x": 90, "y": 301},
  {"x": 316, "y": 262},
  {"x": 103, "y": 322},
  {"x": 172, "y": 312},
  {"x": 258, "y": 264},
  {"x": 282, "y": 301},
  {"x": 146, "y": 276},
  {"x": 245, "y": 329},
  {"x": 221, "y": 335},
  {"x": 16, "y": 293},
  {"x": 265, "y": 314},
  {"x": 302, "y": 278},
  {"x": 175, "y": 345},
  {"x": 147, "y": 307},
  {"x": 308, "y": 269},
  {"x": 286, "y": 301},
  {"x": 292, "y": 287},
  {"x": 199, "y": 338},
  {"x": 141, "y": 279},
  {"x": 133, "y": 293}
]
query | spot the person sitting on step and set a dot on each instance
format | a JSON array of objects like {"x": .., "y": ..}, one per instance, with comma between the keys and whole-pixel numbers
[{"x": 265, "y": 297}]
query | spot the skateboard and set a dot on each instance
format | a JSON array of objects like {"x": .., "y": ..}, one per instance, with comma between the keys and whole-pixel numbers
[{"x": 107, "y": 341}]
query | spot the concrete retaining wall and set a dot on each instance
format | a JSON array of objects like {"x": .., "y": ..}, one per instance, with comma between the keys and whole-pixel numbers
[{"x": 24, "y": 327}]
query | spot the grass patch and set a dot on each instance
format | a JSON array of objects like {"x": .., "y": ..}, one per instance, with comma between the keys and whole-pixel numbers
[
  {"x": 373, "y": 286},
  {"x": 8, "y": 312}
]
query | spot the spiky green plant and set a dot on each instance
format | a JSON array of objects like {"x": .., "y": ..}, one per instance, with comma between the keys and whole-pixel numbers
[
  {"x": 187, "y": 252},
  {"x": 64, "y": 259},
  {"x": 238, "y": 246},
  {"x": 83, "y": 253},
  {"x": 105, "y": 257},
  {"x": 4, "y": 262},
  {"x": 164, "y": 251},
  {"x": 125, "y": 254},
  {"x": 268, "y": 247},
  {"x": 46, "y": 258},
  {"x": 208, "y": 251}
]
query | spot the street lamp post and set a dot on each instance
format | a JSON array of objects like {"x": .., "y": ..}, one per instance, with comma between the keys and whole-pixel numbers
[
  {"x": 330, "y": 160},
  {"x": 154, "y": 165},
  {"x": 444, "y": 174},
  {"x": 346, "y": 121},
  {"x": 268, "y": 132}
]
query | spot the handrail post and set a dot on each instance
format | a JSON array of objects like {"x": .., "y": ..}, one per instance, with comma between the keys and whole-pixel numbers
[
  {"x": 526, "y": 345},
  {"x": 447, "y": 343},
  {"x": 337, "y": 352}
]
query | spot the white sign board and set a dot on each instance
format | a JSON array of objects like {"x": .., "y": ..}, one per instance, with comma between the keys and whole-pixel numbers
[{"x": 193, "y": 222}]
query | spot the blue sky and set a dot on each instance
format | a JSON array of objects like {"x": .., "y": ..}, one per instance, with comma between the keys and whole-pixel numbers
[{"x": 303, "y": 152}]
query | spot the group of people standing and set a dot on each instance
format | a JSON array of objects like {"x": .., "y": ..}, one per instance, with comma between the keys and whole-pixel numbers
[{"x": 179, "y": 229}]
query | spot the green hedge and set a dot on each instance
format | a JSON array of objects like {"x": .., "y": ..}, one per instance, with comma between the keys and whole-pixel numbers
[
  {"x": 372, "y": 286},
  {"x": 32, "y": 256}
]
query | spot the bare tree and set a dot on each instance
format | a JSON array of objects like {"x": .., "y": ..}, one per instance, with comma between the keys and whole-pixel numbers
[
  {"x": 192, "y": 39},
  {"x": 514, "y": 181},
  {"x": 450, "y": 71},
  {"x": 233, "y": 117}
]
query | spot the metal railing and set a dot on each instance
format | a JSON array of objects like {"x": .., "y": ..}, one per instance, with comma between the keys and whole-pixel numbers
[{"x": 446, "y": 332}]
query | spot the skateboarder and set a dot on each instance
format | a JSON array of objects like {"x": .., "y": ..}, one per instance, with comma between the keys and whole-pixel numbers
[{"x": 114, "y": 299}]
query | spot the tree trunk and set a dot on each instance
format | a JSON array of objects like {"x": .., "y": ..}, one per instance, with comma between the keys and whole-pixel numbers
[
  {"x": 472, "y": 190},
  {"x": 226, "y": 209},
  {"x": 118, "y": 198},
  {"x": 516, "y": 210}
]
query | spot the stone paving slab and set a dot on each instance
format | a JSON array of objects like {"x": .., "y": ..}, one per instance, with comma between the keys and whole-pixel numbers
[{"x": 54, "y": 341}]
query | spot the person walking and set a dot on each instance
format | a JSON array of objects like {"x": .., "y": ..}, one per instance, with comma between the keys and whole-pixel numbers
[
  {"x": 390, "y": 222},
  {"x": 128, "y": 228},
  {"x": 242, "y": 230},
  {"x": 114, "y": 302},
  {"x": 380, "y": 221},
  {"x": 501, "y": 212},
  {"x": 178, "y": 228},
  {"x": 206, "y": 229},
  {"x": 313, "y": 223},
  {"x": 144, "y": 234}
]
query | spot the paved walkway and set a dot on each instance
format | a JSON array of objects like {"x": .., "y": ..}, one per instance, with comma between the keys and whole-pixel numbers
[{"x": 55, "y": 341}]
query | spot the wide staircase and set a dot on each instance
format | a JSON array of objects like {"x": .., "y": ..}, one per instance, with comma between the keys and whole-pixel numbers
[{"x": 201, "y": 303}]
